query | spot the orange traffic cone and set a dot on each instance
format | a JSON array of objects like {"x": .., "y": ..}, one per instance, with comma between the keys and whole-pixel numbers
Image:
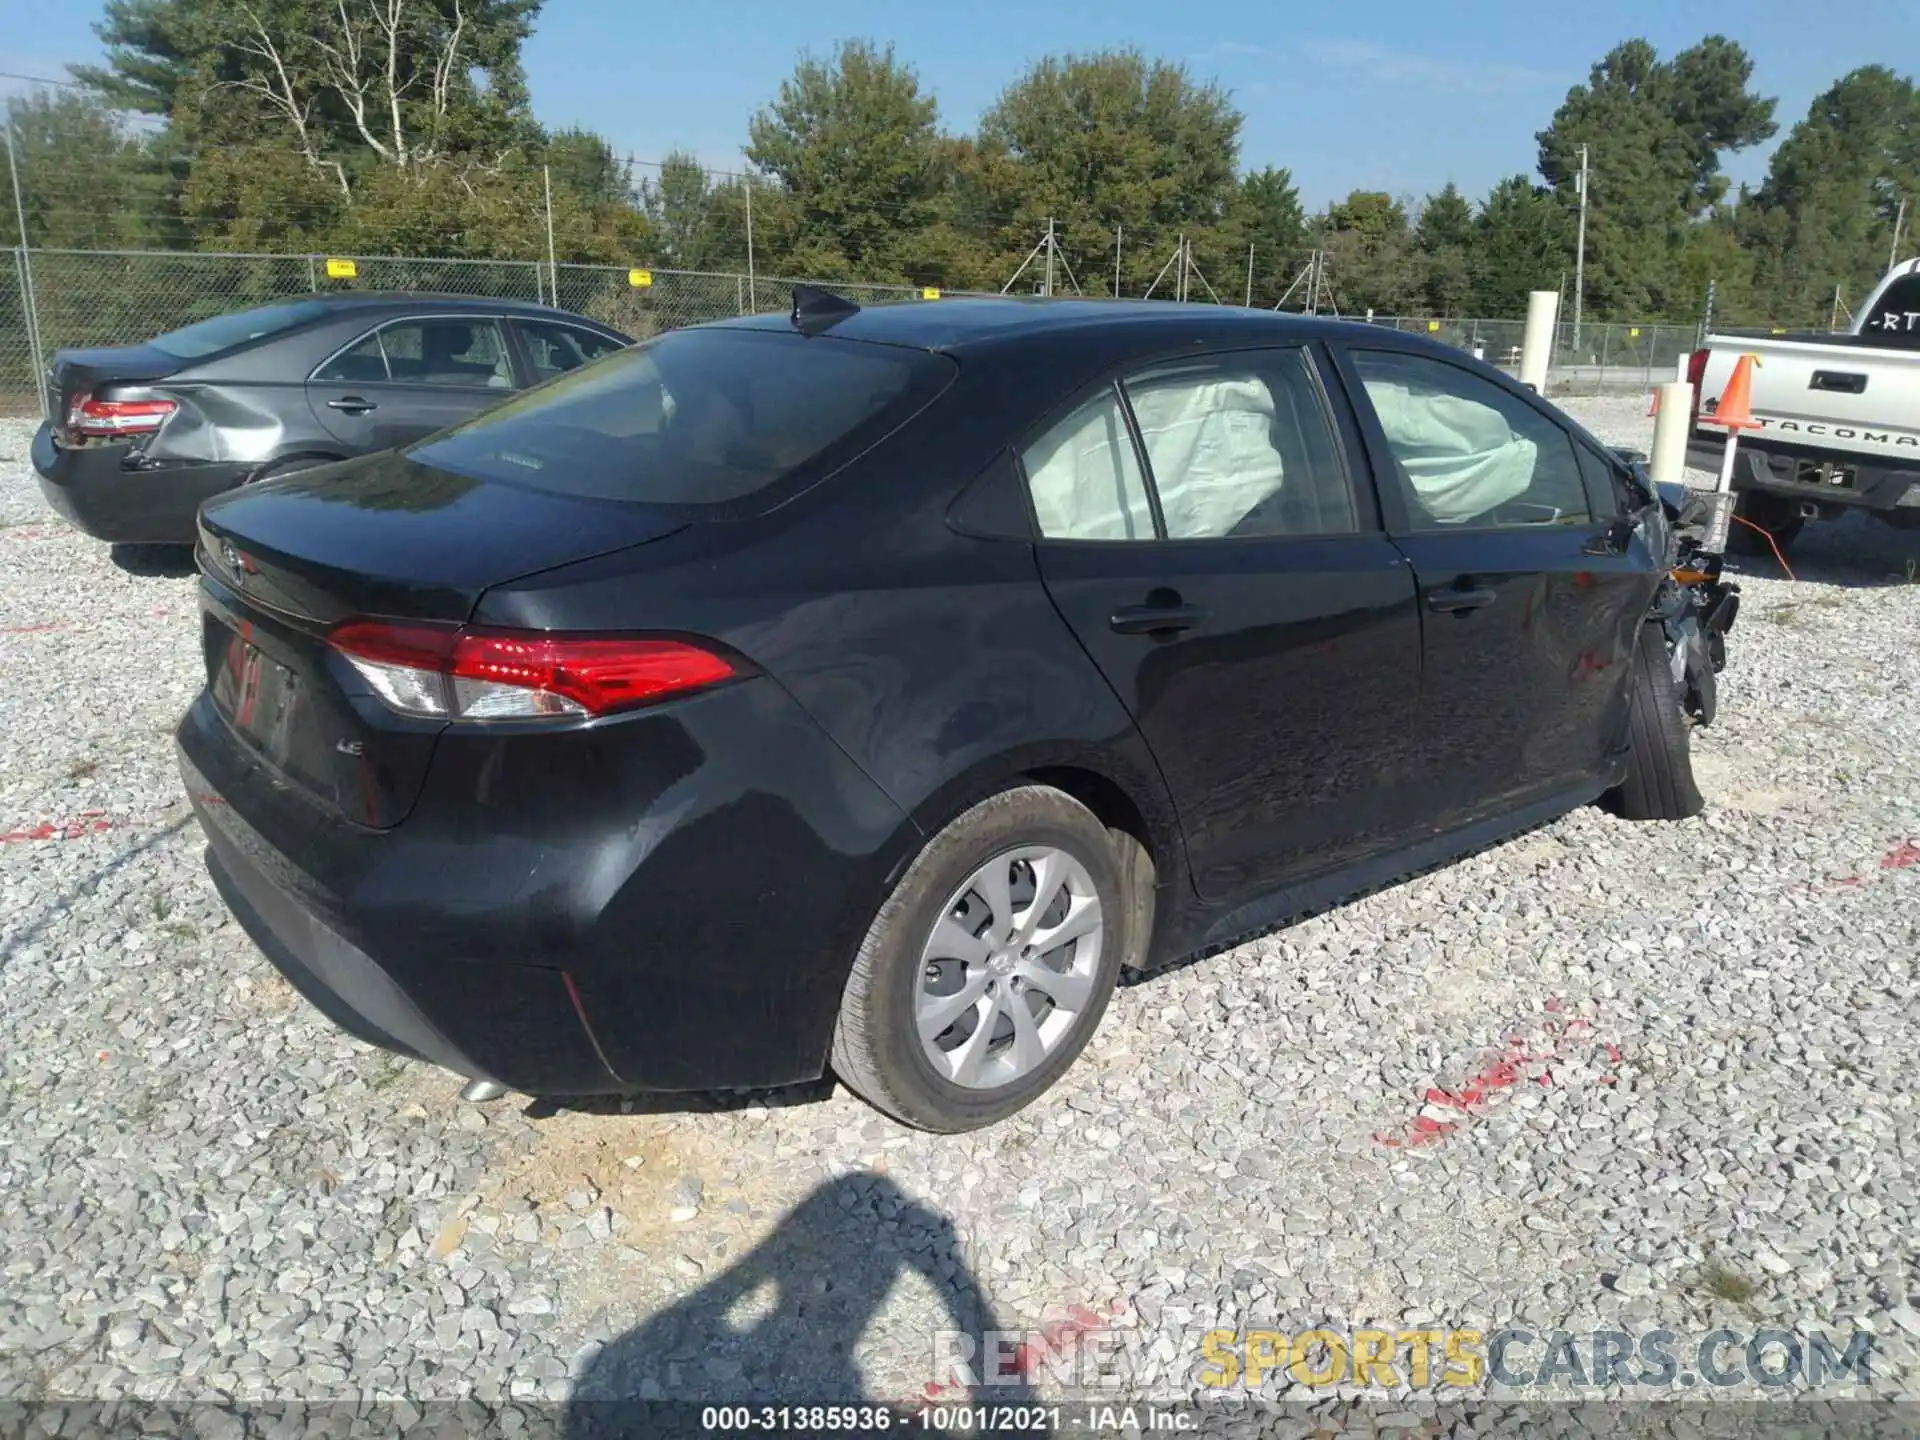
[
  {"x": 1735, "y": 410},
  {"x": 1653, "y": 407}
]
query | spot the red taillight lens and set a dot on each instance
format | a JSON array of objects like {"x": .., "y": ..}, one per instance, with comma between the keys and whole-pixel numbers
[
  {"x": 1696, "y": 372},
  {"x": 486, "y": 674},
  {"x": 103, "y": 419}
]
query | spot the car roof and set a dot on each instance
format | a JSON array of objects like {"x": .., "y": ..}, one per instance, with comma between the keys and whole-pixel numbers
[
  {"x": 344, "y": 301},
  {"x": 965, "y": 324}
]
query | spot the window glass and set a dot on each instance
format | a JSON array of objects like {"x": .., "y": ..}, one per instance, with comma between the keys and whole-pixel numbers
[
  {"x": 223, "y": 332},
  {"x": 1085, "y": 478},
  {"x": 556, "y": 349},
  {"x": 360, "y": 364},
  {"x": 1467, "y": 452},
  {"x": 1240, "y": 445},
  {"x": 1895, "y": 320},
  {"x": 469, "y": 353},
  {"x": 695, "y": 417}
]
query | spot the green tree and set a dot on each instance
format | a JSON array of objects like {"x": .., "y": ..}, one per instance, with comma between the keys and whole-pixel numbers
[
  {"x": 1521, "y": 243},
  {"x": 855, "y": 148},
  {"x": 1655, "y": 131},
  {"x": 86, "y": 179},
  {"x": 1371, "y": 261},
  {"x": 1824, "y": 216},
  {"x": 1445, "y": 236},
  {"x": 1103, "y": 142},
  {"x": 1268, "y": 219},
  {"x": 698, "y": 221}
]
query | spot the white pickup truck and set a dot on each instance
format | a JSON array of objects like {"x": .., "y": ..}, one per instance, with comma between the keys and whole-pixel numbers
[{"x": 1839, "y": 417}]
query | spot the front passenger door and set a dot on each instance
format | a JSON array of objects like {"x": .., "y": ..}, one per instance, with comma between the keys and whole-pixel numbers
[
  {"x": 1532, "y": 593},
  {"x": 409, "y": 378}
]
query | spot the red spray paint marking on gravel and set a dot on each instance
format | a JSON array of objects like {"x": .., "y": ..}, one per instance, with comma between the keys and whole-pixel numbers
[
  {"x": 1062, "y": 1336},
  {"x": 39, "y": 629},
  {"x": 1445, "y": 1111},
  {"x": 1902, "y": 856},
  {"x": 88, "y": 822}
]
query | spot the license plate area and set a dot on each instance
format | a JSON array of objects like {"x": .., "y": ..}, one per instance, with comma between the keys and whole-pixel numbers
[
  {"x": 276, "y": 687},
  {"x": 1824, "y": 473}
]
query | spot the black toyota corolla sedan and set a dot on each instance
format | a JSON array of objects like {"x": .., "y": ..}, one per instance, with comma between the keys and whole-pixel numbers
[
  {"x": 864, "y": 689},
  {"x": 141, "y": 434}
]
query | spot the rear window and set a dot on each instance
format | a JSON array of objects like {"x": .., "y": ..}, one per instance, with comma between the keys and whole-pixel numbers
[
  {"x": 1895, "y": 320},
  {"x": 223, "y": 332},
  {"x": 695, "y": 417}
]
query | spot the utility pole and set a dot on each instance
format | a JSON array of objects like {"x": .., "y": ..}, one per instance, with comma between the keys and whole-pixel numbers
[
  {"x": 1048, "y": 290},
  {"x": 753, "y": 300},
  {"x": 553, "y": 268},
  {"x": 1899, "y": 218},
  {"x": 29, "y": 304},
  {"x": 1249, "y": 299},
  {"x": 1116, "y": 262},
  {"x": 1580, "y": 251}
]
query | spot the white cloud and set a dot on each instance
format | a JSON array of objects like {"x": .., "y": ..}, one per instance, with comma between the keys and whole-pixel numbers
[{"x": 1430, "y": 72}]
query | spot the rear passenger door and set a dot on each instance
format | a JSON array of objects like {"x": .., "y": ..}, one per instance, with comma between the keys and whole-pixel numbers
[
  {"x": 411, "y": 377},
  {"x": 1532, "y": 591},
  {"x": 1200, "y": 531}
]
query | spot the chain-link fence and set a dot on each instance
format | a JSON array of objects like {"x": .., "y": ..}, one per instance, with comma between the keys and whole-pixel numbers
[
  {"x": 1593, "y": 358},
  {"x": 81, "y": 298}
]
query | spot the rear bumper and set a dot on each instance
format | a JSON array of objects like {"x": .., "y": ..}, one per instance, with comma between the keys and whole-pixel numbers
[
  {"x": 96, "y": 491},
  {"x": 1767, "y": 465},
  {"x": 669, "y": 902}
]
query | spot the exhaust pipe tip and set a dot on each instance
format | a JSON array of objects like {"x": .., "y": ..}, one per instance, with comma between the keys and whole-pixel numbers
[{"x": 479, "y": 1092}]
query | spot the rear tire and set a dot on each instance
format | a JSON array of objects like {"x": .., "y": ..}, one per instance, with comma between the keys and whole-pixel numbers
[
  {"x": 941, "y": 936},
  {"x": 1659, "y": 783},
  {"x": 1775, "y": 514}
]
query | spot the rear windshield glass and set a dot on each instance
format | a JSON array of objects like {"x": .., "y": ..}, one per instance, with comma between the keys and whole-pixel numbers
[
  {"x": 1896, "y": 319},
  {"x": 695, "y": 417},
  {"x": 223, "y": 332}
]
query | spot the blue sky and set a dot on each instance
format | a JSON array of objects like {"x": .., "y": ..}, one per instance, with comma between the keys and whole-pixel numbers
[{"x": 1396, "y": 95}]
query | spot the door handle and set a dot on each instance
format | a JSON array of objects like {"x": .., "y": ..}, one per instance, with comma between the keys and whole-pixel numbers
[
  {"x": 1459, "y": 600},
  {"x": 352, "y": 405},
  {"x": 1156, "y": 619}
]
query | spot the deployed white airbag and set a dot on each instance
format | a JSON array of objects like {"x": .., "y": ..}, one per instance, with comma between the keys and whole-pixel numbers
[
  {"x": 1462, "y": 458},
  {"x": 1211, "y": 447},
  {"x": 1086, "y": 485}
]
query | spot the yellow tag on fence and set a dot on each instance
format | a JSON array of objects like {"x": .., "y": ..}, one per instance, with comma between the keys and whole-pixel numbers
[
  {"x": 1634, "y": 333},
  {"x": 928, "y": 292},
  {"x": 341, "y": 269},
  {"x": 639, "y": 279},
  {"x": 1432, "y": 326}
]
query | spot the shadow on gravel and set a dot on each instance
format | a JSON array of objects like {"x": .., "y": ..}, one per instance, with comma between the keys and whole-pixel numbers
[
  {"x": 778, "y": 1327},
  {"x": 684, "y": 1102},
  {"x": 169, "y": 562},
  {"x": 1854, "y": 551}
]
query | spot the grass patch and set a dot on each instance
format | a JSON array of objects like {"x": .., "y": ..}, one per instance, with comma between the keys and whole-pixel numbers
[
  {"x": 1784, "y": 615},
  {"x": 389, "y": 1073},
  {"x": 1727, "y": 1284},
  {"x": 82, "y": 769}
]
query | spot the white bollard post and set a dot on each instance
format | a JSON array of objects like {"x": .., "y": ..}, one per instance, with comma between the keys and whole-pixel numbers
[
  {"x": 1670, "y": 426},
  {"x": 1536, "y": 343}
]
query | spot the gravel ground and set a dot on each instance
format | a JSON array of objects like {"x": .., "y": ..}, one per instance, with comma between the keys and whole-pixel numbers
[{"x": 1694, "y": 1042}]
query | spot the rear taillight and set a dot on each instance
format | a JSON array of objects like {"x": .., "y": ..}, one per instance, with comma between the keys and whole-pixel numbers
[
  {"x": 483, "y": 674},
  {"x": 104, "y": 419},
  {"x": 1696, "y": 372}
]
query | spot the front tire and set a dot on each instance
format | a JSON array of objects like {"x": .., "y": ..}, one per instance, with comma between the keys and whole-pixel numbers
[
  {"x": 988, "y": 968},
  {"x": 1659, "y": 783}
]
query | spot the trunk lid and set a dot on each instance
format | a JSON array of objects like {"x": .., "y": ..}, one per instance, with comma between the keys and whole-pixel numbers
[
  {"x": 382, "y": 536},
  {"x": 76, "y": 374}
]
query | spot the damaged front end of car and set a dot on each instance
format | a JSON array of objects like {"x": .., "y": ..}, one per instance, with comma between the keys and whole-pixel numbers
[{"x": 1695, "y": 605}]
